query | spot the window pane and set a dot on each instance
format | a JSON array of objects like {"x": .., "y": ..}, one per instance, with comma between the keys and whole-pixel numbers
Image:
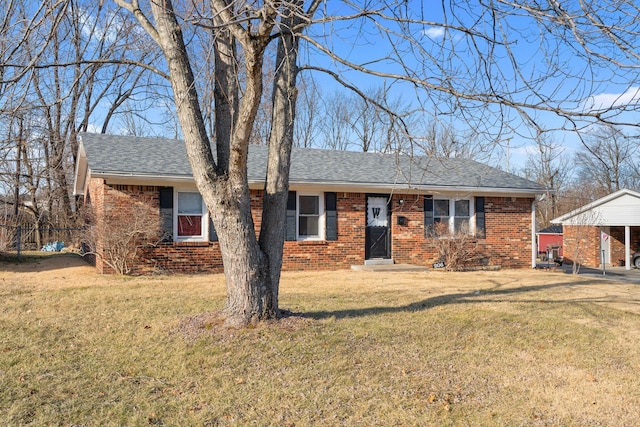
[
  {"x": 189, "y": 225},
  {"x": 189, "y": 203},
  {"x": 461, "y": 225},
  {"x": 309, "y": 205},
  {"x": 441, "y": 208},
  {"x": 308, "y": 226},
  {"x": 462, "y": 208}
]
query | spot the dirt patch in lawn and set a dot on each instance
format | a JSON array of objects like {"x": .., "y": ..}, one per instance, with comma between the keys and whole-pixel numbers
[{"x": 40, "y": 268}]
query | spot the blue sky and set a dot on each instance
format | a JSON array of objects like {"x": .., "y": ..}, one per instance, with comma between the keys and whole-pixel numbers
[
  {"x": 580, "y": 85},
  {"x": 444, "y": 56}
]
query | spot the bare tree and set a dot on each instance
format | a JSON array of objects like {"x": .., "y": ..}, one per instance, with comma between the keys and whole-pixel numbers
[
  {"x": 118, "y": 234},
  {"x": 68, "y": 66},
  {"x": 306, "y": 127},
  {"x": 608, "y": 160},
  {"x": 336, "y": 122},
  {"x": 441, "y": 140},
  {"x": 547, "y": 166}
]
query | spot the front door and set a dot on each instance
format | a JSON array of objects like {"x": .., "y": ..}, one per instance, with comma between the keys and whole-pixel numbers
[{"x": 378, "y": 230}]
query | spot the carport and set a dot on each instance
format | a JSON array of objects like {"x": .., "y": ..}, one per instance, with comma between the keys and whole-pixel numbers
[{"x": 608, "y": 216}]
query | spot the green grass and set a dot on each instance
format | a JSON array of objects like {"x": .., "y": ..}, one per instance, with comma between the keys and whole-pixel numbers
[{"x": 373, "y": 349}]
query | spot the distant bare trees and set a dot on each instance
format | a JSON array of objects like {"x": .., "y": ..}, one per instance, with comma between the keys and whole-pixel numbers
[
  {"x": 67, "y": 67},
  {"x": 609, "y": 161},
  {"x": 547, "y": 166}
]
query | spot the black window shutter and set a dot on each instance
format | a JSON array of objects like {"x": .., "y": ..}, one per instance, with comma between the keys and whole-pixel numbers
[
  {"x": 428, "y": 216},
  {"x": 213, "y": 235},
  {"x": 166, "y": 213},
  {"x": 480, "y": 220},
  {"x": 290, "y": 221},
  {"x": 331, "y": 213}
]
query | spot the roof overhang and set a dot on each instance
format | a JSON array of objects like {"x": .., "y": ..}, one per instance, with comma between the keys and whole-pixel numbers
[
  {"x": 616, "y": 209},
  {"x": 355, "y": 187}
]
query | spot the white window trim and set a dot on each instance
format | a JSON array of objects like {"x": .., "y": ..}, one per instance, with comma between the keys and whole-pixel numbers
[
  {"x": 452, "y": 212},
  {"x": 321, "y": 217},
  {"x": 204, "y": 237}
]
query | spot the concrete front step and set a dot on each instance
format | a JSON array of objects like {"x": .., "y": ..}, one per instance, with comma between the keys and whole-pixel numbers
[
  {"x": 389, "y": 267},
  {"x": 379, "y": 261}
]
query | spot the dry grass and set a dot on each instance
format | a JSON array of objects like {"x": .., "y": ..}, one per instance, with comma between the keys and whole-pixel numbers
[{"x": 436, "y": 348}]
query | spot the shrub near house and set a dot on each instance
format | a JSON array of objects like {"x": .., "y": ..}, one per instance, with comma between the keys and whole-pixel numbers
[{"x": 344, "y": 208}]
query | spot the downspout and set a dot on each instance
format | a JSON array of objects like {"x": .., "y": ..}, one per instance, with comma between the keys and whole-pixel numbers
[{"x": 534, "y": 249}]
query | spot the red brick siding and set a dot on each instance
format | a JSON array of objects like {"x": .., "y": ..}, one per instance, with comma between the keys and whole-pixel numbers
[
  {"x": 507, "y": 242},
  {"x": 582, "y": 244},
  {"x": 616, "y": 239},
  {"x": 342, "y": 253},
  {"x": 101, "y": 195},
  {"x": 508, "y": 232}
]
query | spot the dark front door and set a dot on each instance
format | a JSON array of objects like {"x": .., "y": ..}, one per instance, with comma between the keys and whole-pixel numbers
[{"x": 378, "y": 231}]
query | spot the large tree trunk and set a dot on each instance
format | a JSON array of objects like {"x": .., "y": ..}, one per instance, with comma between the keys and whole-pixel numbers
[
  {"x": 274, "y": 204},
  {"x": 224, "y": 186}
]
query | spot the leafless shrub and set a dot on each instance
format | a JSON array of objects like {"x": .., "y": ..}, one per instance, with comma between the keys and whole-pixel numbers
[
  {"x": 457, "y": 250},
  {"x": 579, "y": 237},
  {"x": 7, "y": 237},
  {"x": 117, "y": 235}
]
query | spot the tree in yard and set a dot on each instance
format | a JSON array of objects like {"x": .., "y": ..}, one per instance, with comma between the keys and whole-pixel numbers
[{"x": 491, "y": 67}]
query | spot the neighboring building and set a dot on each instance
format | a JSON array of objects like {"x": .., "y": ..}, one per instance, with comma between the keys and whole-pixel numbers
[
  {"x": 607, "y": 229},
  {"x": 345, "y": 208},
  {"x": 550, "y": 242}
]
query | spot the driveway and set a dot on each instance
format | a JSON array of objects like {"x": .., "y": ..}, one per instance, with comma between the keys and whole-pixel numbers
[{"x": 610, "y": 273}]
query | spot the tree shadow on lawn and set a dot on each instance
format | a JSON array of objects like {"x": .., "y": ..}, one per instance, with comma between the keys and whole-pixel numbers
[
  {"x": 475, "y": 297},
  {"x": 36, "y": 262}
]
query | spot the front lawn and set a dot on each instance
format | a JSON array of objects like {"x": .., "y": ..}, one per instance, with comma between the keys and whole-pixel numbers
[{"x": 435, "y": 348}]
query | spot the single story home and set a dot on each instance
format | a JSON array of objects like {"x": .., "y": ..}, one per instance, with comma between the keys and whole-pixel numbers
[
  {"x": 604, "y": 231},
  {"x": 550, "y": 242},
  {"x": 345, "y": 208}
]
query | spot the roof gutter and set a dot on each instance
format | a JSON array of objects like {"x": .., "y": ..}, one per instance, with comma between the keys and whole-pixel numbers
[{"x": 332, "y": 185}]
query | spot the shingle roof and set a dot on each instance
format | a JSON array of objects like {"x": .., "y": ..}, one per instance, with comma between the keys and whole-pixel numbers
[
  {"x": 160, "y": 157},
  {"x": 554, "y": 229}
]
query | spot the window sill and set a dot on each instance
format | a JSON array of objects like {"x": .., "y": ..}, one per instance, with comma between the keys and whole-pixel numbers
[
  {"x": 311, "y": 242},
  {"x": 192, "y": 243}
]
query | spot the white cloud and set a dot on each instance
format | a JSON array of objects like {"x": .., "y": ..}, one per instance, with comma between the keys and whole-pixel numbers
[
  {"x": 606, "y": 101},
  {"x": 434, "y": 32}
]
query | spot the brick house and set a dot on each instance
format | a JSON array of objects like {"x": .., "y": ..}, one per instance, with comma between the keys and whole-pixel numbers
[
  {"x": 344, "y": 208},
  {"x": 606, "y": 230}
]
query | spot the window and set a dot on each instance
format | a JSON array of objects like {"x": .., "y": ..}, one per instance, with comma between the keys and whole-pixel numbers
[
  {"x": 191, "y": 216},
  {"x": 308, "y": 217},
  {"x": 454, "y": 215},
  {"x": 441, "y": 212},
  {"x": 311, "y": 216},
  {"x": 461, "y": 218}
]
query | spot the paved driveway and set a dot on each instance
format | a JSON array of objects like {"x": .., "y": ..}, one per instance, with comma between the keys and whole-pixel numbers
[{"x": 611, "y": 273}]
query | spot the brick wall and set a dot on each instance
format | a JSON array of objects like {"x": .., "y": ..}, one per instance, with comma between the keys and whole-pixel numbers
[
  {"x": 582, "y": 244},
  {"x": 117, "y": 199},
  {"x": 507, "y": 242}
]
